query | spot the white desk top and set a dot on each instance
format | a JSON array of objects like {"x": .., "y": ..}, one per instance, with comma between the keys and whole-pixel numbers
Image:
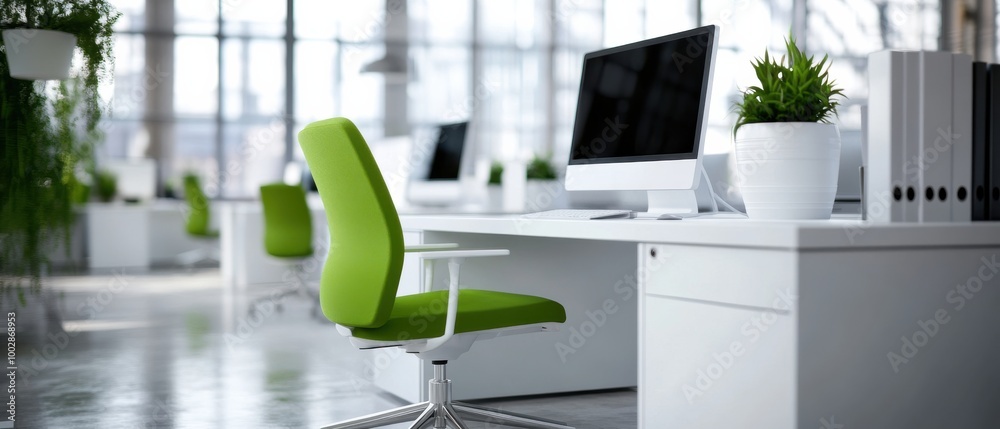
[{"x": 841, "y": 234}]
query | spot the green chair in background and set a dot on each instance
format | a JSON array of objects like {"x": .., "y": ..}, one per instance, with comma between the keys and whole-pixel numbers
[
  {"x": 288, "y": 235},
  {"x": 361, "y": 275},
  {"x": 198, "y": 224}
]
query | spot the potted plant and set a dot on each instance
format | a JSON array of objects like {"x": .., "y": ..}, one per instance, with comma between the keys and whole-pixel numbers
[
  {"x": 107, "y": 185},
  {"x": 494, "y": 192},
  {"x": 787, "y": 151},
  {"x": 48, "y": 135},
  {"x": 40, "y": 35},
  {"x": 543, "y": 191}
]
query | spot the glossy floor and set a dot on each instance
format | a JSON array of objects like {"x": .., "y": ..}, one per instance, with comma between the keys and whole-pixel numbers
[{"x": 176, "y": 349}]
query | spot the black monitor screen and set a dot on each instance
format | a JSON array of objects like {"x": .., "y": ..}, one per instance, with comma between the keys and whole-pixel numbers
[
  {"x": 643, "y": 101},
  {"x": 447, "y": 160}
]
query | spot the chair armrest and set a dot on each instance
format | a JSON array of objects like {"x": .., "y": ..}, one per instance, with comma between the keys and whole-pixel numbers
[
  {"x": 429, "y": 247},
  {"x": 459, "y": 254},
  {"x": 455, "y": 258},
  {"x": 344, "y": 330}
]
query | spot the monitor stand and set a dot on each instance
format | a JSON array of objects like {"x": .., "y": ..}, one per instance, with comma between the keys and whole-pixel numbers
[{"x": 678, "y": 203}]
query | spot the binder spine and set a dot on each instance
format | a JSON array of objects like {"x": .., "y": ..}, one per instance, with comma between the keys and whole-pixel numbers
[
  {"x": 980, "y": 141},
  {"x": 911, "y": 175},
  {"x": 961, "y": 148},
  {"x": 932, "y": 164},
  {"x": 885, "y": 193},
  {"x": 994, "y": 143}
]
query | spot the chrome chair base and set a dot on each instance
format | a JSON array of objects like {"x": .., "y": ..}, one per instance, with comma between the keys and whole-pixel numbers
[
  {"x": 298, "y": 288},
  {"x": 441, "y": 412}
]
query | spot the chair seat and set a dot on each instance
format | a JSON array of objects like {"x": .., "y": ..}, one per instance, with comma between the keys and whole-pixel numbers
[
  {"x": 204, "y": 234},
  {"x": 297, "y": 255},
  {"x": 423, "y": 315},
  {"x": 289, "y": 259}
]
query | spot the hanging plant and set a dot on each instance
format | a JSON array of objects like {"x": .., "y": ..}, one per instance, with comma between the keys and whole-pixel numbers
[{"x": 42, "y": 143}]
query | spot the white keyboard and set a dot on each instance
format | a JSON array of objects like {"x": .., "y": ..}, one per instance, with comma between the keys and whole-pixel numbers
[{"x": 581, "y": 214}]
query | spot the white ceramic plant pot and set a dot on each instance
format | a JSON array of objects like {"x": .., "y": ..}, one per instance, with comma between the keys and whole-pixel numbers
[
  {"x": 788, "y": 170},
  {"x": 34, "y": 54}
]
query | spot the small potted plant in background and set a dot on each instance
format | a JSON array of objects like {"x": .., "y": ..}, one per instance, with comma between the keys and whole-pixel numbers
[
  {"x": 107, "y": 185},
  {"x": 494, "y": 191},
  {"x": 543, "y": 192},
  {"x": 168, "y": 190},
  {"x": 496, "y": 172},
  {"x": 787, "y": 151}
]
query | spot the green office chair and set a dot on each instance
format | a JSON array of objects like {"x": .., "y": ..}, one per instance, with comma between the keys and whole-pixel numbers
[
  {"x": 198, "y": 223},
  {"x": 288, "y": 238},
  {"x": 361, "y": 275}
]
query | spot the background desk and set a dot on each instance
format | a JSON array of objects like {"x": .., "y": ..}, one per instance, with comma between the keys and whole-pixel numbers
[
  {"x": 244, "y": 261},
  {"x": 740, "y": 323},
  {"x": 130, "y": 237}
]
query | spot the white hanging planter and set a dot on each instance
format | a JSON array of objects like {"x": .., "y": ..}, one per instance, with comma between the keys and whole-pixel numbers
[
  {"x": 788, "y": 170},
  {"x": 34, "y": 54}
]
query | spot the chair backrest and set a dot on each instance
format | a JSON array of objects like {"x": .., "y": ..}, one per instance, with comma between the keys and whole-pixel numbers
[
  {"x": 287, "y": 221},
  {"x": 198, "y": 216},
  {"x": 361, "y": 274}
]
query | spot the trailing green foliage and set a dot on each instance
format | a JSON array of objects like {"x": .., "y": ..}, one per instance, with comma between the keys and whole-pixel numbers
[
  {"x": 41, "y": 142},
  {"x": 800, "y": 91}
]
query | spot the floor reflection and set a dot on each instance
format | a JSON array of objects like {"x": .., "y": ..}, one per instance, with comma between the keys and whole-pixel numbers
[{"x": 176, "y": 349}]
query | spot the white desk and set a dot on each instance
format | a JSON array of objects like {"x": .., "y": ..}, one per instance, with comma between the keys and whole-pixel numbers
[
  {"x": 118, "y": 236},
  {"x": 129, "y": 236},
  {"x": 740, "y": 323},
  {"x": 243, "y": 259}
]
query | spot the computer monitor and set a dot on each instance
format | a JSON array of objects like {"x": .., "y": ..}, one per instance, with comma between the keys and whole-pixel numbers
[
  {"x": 641, "y": 119},
  {"x": 136, "y": 178},
  {"x": 437, "y": 180}
]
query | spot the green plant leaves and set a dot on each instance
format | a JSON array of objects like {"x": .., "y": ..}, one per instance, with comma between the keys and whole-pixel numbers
[
  {"x": 41, "y": 141},
  {"x": 799, "y": 91}
]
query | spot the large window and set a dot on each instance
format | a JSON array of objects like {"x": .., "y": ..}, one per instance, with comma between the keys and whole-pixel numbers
[
  {"x": 221, "y": 87},
  {"x": 202, "y": 85}
]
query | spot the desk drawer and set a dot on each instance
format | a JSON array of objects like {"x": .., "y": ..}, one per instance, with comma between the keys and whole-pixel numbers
[{"x": 750, "y": 277}]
